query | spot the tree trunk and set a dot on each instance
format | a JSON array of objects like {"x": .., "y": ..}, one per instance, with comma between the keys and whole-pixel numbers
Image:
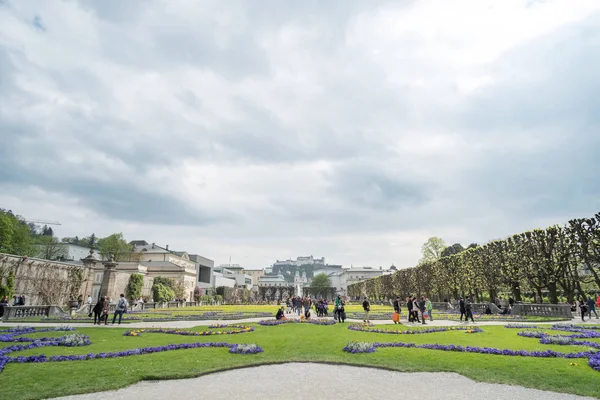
[
  {"x": 553, "y": 294},
  {"x": 493, "y": 294},
  {"x": 516, "y": 290},
  {"x": 538, "y": 290},
  {"x": 580, "y": 289}
]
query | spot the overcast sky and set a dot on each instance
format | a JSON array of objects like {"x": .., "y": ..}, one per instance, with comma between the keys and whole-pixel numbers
[{"x": 352, "y": 130}]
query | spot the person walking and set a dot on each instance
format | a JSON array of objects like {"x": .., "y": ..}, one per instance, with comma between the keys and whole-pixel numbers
[
  {"x": 341, "y": 313},
  {"x": 367, "y": 307},
  {"x": 591, "y": 307},
  {"x": 409, "y": 309},
  {"x": 338, "y": 305},
  {"x": 582, "y": 304},
  {"x": 397, "y": 309},
  {"x": 415, "y": 309},
  {"x": 422, "y": 309},
  {"x": 468, "y": 309},
  {"x": 98, "y": 308},
  {"x": 461, "y": 307},
  {"x": 120, "y": 308},
  {"x": 89, "y": 304},
  {"x": 429, "y": 308}
]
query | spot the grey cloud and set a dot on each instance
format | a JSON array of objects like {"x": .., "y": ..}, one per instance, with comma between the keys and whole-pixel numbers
[{"x": 365, "y": 184}]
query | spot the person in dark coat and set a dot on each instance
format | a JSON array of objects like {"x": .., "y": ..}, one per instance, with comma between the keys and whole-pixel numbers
[
  {"x": 461, "y": 306},
  {"x": 279, "y": 314},
  {"x": 98, "y": 308},
  {"x": 409, "y": 307}
]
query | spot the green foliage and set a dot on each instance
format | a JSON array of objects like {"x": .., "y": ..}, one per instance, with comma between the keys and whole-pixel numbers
[
  {"x": 114, "y": 245},
  {"x": 321, "y": 280},
  {"x": 15, "y": 235},
  {"x": 224, "y": 292},
  {"x": 134, "y": 287},
  {"x": 162, "y": 293},
  {"x": 432, "y": 249},
  {"x": 7, "y": 290},
  {"x": 163, "y": 280},
  {"x": 206, "y": 298},
  {"x": 538, "y": 265},
  {"x": 75, "y": 281},
  {"x": 179, "y": 290},
  {"x": 49, "y": 248},
  {"x": 321, "y": 286},
  {"x": 454, "y": 249}
]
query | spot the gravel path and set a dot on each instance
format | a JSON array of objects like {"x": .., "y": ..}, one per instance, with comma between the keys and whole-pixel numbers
[{"x": 323, "y": 382}]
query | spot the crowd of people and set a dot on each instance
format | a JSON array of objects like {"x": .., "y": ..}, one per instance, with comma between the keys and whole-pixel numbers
[
  {"x": 102, "y": 309},
  {"x": 586, "y": 305}
]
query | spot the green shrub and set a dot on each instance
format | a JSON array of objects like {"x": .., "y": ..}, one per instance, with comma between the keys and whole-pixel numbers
[
  {"x": 134, "y": 287},
  {"x": 162, "y": 293}
]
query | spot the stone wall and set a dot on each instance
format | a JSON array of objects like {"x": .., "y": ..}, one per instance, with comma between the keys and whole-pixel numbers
[{"x": 46, "y": 282}]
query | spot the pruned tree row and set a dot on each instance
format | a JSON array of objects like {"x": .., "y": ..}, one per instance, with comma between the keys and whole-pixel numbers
[{"x": 561, "y": 260}]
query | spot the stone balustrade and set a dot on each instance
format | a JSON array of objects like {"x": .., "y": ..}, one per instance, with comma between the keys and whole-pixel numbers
[
  {"x": 543, "y": 310},
  {"x": 23, "y": 312}
]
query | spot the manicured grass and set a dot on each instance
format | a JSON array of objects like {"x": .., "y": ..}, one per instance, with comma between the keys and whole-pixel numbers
[{"x": 292, "y": 342}]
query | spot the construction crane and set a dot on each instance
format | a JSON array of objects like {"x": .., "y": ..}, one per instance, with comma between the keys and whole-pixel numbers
[{"x": 41, "y": 221}]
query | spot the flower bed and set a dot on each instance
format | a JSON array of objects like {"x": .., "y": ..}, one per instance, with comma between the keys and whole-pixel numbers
[
  {"x": 234, "y": 329},
  {"x": 521, "y": 326},
  {"x": 246, "y": 349},
  {"x": 488, "y": 350},
  {"x": 545, "y": 338},
  {"x": 362, "y": 328},
  {"x": 314, "y": 321},
  {"x": 359, "y": 347},
  {"x": 83, "y": 340}
]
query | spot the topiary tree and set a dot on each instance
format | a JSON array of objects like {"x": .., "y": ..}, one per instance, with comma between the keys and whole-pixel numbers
[
  {"x": 134, "y": 287},
  {"x": 162, "y": 293}
]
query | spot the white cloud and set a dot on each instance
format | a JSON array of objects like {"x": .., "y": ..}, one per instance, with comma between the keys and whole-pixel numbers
[{"x": 352, "y": 132}]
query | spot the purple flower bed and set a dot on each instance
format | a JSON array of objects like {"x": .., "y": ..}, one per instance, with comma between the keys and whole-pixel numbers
[
  {"x": 359, "y": 347},
  {"x": 592, "y": 356},
  {"x": 236, "y": 329},
  {"x": 245, "y": 349},
  {"x": 273, "y": 322},
  {"x": 594, "y": 361},
  {"x": 489, "y": 350},
  {"x": 547, "y": 340},
  {"x": 362, "y": 328},
  {"x": 521, "y": 326},
  {"x": 10, "y": 336}
]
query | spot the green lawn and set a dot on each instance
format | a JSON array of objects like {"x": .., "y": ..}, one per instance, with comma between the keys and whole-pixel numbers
[{"x": 291, "y": 342}]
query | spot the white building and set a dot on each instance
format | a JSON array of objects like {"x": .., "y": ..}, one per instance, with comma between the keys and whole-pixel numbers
[
  {"x": 309, "y": 260},
  {"x": 272, "y": 281},
  {"x": 232, "y": 272}
]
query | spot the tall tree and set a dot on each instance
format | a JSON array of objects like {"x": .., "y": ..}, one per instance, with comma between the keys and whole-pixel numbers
[
  {"x": 454, "y": 249},
  {"x": 432, "y": 249},
  {"x": 114, "y": 245},
  {"x": 321, "y": 284},
  {"x": 15, "y": 235},
  {"x": 49, "y": 248}
]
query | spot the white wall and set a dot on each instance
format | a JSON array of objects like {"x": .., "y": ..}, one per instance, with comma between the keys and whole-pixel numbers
[{"x": 220, "y": 280}]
